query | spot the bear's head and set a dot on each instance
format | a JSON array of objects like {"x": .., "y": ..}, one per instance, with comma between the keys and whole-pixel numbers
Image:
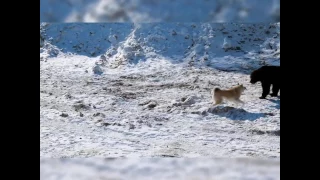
[{"x": 254, "y": 77}]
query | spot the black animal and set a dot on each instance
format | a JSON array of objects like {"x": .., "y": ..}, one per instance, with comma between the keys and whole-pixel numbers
[{"x": 267, "y": 75}]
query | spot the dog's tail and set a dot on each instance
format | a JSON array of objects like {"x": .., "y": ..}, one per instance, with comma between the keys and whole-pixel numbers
[{"x": 213, "y": 91}]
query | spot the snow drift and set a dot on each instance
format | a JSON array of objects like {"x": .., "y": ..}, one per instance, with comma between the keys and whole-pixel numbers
[{"x": 226, "y": 46}]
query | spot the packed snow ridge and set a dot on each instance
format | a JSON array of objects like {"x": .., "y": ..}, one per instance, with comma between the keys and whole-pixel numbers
[{"x": 225, "y": 46}]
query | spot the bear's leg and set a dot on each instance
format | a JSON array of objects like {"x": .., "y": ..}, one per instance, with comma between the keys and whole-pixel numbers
[
  {"x": 265, "y": 89},
  {"x": 275, "y": 90}
]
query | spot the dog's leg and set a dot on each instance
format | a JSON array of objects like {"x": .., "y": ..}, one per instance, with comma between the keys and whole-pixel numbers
[
  {"x": 217, "y": 101},
  {"x": 239, "y": 101}
]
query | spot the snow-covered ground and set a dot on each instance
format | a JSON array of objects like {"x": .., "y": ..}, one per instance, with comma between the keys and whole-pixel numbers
[
  {"x": 143, "y": 90},
  {"x": 159, "y": 168},
  {"x": 160, "y": 11}
]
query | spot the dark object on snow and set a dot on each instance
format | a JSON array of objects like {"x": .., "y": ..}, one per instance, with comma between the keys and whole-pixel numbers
[{"x": 267, "y": 75}]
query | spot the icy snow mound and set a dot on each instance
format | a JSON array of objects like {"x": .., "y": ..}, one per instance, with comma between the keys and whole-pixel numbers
[{"x": 239, "y": 46}]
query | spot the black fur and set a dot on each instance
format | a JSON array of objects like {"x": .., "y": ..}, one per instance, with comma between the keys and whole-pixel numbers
[{"x": 267, "y": 75}]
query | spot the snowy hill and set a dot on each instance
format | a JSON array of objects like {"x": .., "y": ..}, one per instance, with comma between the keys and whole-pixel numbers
[
  {"x": 143, "y": 89},
  {"x": 246, "y": 46}
]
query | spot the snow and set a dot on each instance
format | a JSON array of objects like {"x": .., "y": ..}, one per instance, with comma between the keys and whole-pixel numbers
[
  {"x": 143, "y": 90},
  {"x": 250, "y": 11},
  {"x": 156, "y": 103},
  {"x": 159, "y": 168},
  {"x": 191, "y": 43}
]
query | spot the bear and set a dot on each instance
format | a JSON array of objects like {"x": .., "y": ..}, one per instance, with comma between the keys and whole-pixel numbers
[{"x": 267, "y": 75}]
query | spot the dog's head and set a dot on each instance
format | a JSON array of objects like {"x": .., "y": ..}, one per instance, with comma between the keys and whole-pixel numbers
[{"x": 242, "y": 87}]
